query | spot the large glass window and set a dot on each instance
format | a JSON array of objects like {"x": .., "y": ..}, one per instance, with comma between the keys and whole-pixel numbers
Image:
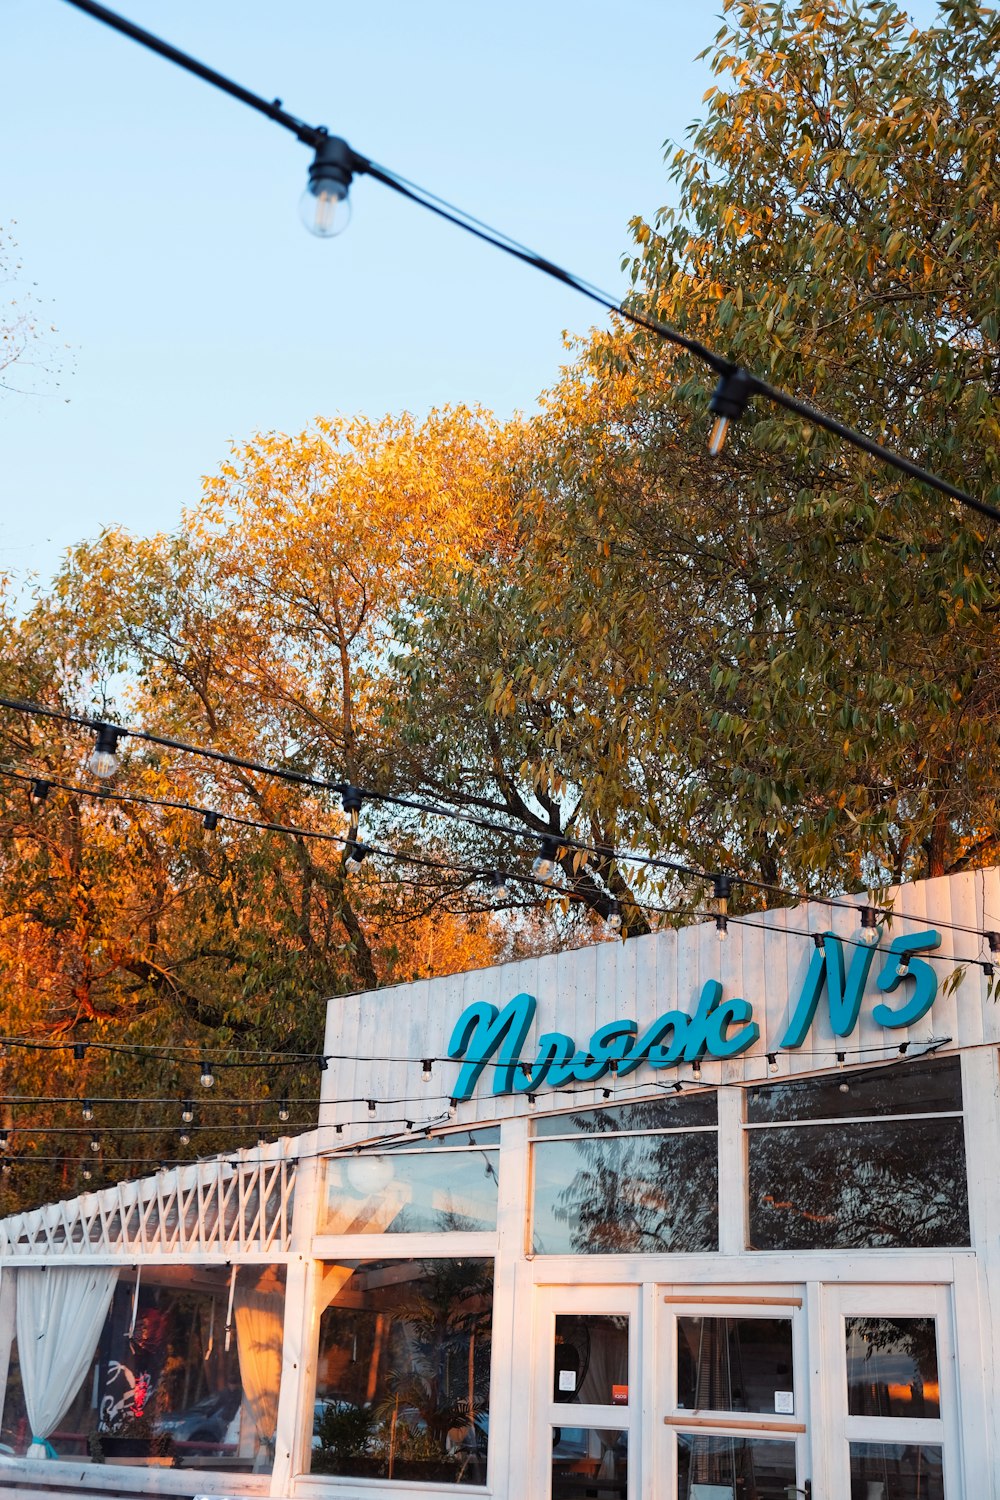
[
  {"x": 591, "y": 1359},
  {"x": 439, "y": 1184},
  {"x": 637, "y": 1177},
  {"x": 861, "y": 1160},
  {"x": 403, "y": 1370},
  {"x": 752, "y": 1468},
  {"x": 896, "y": 1471},
  {"x": 589, "y": 1463},
  {"x": 167, "y": 1383}
]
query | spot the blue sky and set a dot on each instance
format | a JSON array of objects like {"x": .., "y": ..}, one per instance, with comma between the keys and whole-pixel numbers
[{"x": 159, "y": 220}]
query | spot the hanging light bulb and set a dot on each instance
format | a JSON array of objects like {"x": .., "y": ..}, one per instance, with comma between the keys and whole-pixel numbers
[
  {"x": 696, "y": 1069},
  {"x": 356, "y": 854},
  {"x": 187, "y": 1111},
  {"x": 87, "y": 1110},
  {"x": 728, "y": 403},
  {"x": 38, "y": 791},
  {"x": 95, "y": 1144},
  {"x": 452, "y": 1108},
  {"x": 371, "y": 1109},
  {"x": 4, "y": 1138},
  {"x": 426, "y": 1066},
  {"x": 903, "y": 967},
  {"x": 86, "y": 1174},
  {"x": 548, "y": 851},
  {"x": 840, "y": 1059},
  {"x": 283, "y": 1111},
  {"x": 184, "y": 1138},
  {"x": 79, "y": 1051},
  {"x": 615, "y": 917},
  {"x": 868, "y": 933},
  {"x": 993, "y": 938},
  {"x": 207, "y": 1076},
  {"x": 772, "y": 1063},
  {"x": 498, "y": 885},
  {"x": 103, "y": 760},
  {"x": 211, "y": 820},
  {"x": 722, "y": 888},
  {"x": 325, "y": 206},
  {"x": 989, "y": 970}
]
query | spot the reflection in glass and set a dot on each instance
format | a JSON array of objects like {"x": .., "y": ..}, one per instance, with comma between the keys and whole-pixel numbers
[
  {"x": 896, "y": 1471},
  {"x": 370, "y": 1192},
  {"x": 589, "y": 1463},
  {"x": 892, "y": 1368},
  {"x": 672, "y": 1112},
  {"x": 919, "y": 1088},
  {"x": 735, "y": 1364},
  {"x": 743, "y": 1468},
  {"x": 650, "y": 1193},
  {"x": 591, "y": 1360},
  {"x": 868, "y": 1185},
  {"x": 403, "y": 1370},
  {"x": 163, "y": 1388}
]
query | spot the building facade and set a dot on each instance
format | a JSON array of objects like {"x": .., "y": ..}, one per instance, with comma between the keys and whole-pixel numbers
[{"x": 676, "y": 1218}]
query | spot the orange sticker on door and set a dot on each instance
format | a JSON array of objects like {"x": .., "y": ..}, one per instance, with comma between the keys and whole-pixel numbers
[{"x": 619, "y": 1395}]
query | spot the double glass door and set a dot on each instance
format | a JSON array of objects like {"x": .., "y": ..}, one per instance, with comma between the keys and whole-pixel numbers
[{"x": 764, "y": 1393}]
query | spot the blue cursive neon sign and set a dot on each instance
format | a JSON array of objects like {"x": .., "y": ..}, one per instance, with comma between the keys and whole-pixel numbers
[{"x": 488, "y": 1036}]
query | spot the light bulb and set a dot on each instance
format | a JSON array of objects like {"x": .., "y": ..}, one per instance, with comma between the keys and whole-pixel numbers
[
  {"x": 95, "y": 1144},
  {"x": 772, "y": 1063},
  {"x": 452, "y": 1108},
  {"x": 498, "y": 886},
  {"x": 717, "y": 436},
  {"x": 325, "y": 206},
  {"x": 356, "y": 854},
  {"x": 86, "y": 1174},
  {"x": 426, "y": 1067},
  {"x": 187, "y": 1112},
  {"x": 88, "y": 1110},
  {"x": 722, "y": 927},
  {"x": 615, "y": 918},
  {"x": 184, "y": 1138},
  {"x": 103, "y": 760},
  {"x": 39, "y": 790},
  {"x": 283, "y": 1111},
  {"x": 207, "y": 1076},
  {"x": 903, "y": 967},
  {"x": 371, "y": 1108},
  {"x": 869, "y": 933},
  {"x": 545, "y": 859}
]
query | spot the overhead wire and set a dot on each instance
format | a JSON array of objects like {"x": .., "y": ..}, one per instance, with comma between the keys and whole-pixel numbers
[
  {"x": 751, "y": 385},
  {"x": 610, "y": 855}
]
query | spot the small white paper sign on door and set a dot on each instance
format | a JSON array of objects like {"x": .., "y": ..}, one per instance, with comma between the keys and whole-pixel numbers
[
  {"x": 784, "y": 1402},
  {"x": 567, "y": 1380}
]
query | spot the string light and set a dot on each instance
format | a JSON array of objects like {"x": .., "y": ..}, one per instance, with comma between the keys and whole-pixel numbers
[
  {"x": 88, "y": 1110},
  {"x": 39, "y": 790},
  {"x": 728, "y": 404},
  {"x": 371, "y": 1108},
  {"x": 211, "y": 820},
  {"x": 79, "y": 1051},
  {"x": 993, "y": 938},
  {"x": 184, "y": 1138},
  {"x": 355, "y": 855},
  {"x": 95, "y": 1144},
  {"x": 615, "y": 917},
  {"x": 903, "y": 967},
  {"x": 452, "y": 1108},
  {"x": 772, "y": 1063},
  {"x": 427, "y": 1069},
  {"x": 722, "y": 889},
  {"x": 499, "y": 888},
  {"x": 868, "y": 933},
  {"x": 283, "y": 1111},
  {"x": 207, "y": 1075},
  {"x": 548, "y": 851},
  {"x": 103, "y": 760}
]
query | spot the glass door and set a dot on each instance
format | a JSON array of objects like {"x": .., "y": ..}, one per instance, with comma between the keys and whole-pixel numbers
[
  {"x": 894, "y": 1410},
  {"x": 586, "y": 1394},
  {"x": 733, "y": 1373}
]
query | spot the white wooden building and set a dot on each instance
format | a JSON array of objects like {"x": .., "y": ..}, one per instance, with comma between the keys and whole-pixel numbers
[{"x": 674, "y": 1218}]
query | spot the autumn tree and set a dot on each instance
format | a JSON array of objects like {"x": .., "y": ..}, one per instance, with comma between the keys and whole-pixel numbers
[{"x": 782, "y": 662}]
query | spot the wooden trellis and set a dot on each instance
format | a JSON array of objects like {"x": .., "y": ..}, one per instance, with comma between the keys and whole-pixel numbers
[{"x": 230, "y": 1206}]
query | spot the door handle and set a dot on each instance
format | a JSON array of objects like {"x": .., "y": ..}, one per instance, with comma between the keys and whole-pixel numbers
[{"x": 793, "y": 1491}]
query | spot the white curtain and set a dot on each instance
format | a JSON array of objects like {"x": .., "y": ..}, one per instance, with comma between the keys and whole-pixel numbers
[
  {"x": 60, "y": 1314},
  {"x": 259, "y": 1331}
]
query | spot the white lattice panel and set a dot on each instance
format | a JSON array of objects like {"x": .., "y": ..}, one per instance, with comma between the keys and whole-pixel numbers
[{"x": 241, "y": 1204}]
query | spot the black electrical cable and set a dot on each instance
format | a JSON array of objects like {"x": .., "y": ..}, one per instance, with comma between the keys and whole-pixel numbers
[
  {"x": 752, "y": 384},
  {"x": 431, "y": 809}
]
